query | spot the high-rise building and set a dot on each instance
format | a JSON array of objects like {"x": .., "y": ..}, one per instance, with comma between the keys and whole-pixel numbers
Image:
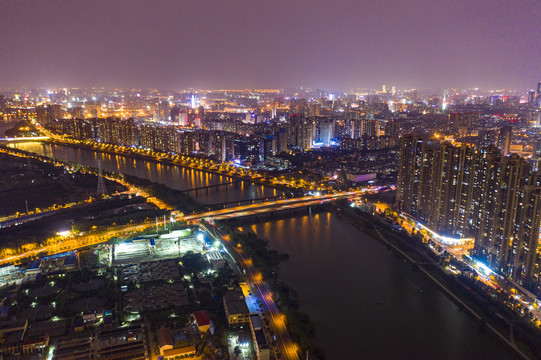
[
  {"x": 504, "y": 139},
  {"x": 498, "y": 209},
  {"x": 409, "y": 174},
  {"x": 282, "y": 140},
  {"x": 478, "y": 193},
  {"x": 301, "y": 131},
  {"x": 531, "y": 98},
  {"x": 174, "y": 114},
  {"x": 524, "y": 254}
]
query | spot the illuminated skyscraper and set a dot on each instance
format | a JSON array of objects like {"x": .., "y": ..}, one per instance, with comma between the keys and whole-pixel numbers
[
  {"x": 467, "y": 192},
  {"x": 409, "y": 174},
  {"x": 524, "y": 255},
  {"x": 498, "y": 209},
  {"x": 301, "y": 131}
]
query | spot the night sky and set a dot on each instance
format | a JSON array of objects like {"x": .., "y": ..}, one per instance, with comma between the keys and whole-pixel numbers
[{"x": 274, "y": 44}]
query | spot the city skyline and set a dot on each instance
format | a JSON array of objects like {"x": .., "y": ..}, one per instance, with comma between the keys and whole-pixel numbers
[
  {"x": 265, "y": 180},
  {"x": 213, "y": 45},
  {"x": 138, "y": 185}
]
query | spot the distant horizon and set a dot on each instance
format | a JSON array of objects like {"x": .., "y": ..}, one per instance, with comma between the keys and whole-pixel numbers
[
  {"x": 207, "y": 44},
  {"x": 259, "y": 88}
]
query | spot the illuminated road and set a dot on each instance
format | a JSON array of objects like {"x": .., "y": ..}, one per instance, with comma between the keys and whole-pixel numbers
[
  {"x": 287, "y": 347},
  {"x": 76, "y": 242},
  {"x": 270, "y": 206}
]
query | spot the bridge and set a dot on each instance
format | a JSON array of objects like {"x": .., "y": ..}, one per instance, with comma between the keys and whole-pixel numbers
[
  {"x": 270, "y": 207},
  {"x": 215, "y": 186},
  {"x": 23, "y": 138},
  {"x": 247, "y": 201}
]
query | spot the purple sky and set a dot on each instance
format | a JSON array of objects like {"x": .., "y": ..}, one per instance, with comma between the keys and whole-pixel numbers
[{"x": 270, "y": 43}]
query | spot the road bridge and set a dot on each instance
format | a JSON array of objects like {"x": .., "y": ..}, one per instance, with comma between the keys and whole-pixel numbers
[
  {"x": 23, "y": 139},
  {"x": 247, "y": 201},
  {"x": 271, "y": 206},
  {"x": 215, "y": 186}
]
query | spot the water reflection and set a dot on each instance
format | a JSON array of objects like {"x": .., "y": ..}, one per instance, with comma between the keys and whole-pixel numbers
[
  {"x": 172, "y": 176},
  {"x": 366, "y": 302}
]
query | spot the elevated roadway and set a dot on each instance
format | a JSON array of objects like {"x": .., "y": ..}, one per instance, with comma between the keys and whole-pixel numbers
[
  {"x": 270, "y": 206},
  {"x": 23, "y": 139}
]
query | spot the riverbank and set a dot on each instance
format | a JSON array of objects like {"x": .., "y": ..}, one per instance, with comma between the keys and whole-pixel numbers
[
  {"x": 31, "y": 186},
  {"x": 180, "y": 161},
  {"x": 464, "y": 292},
  {"x": 267, "y": 262}
]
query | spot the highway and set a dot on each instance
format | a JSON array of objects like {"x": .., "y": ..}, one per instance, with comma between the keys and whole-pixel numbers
[
  {"x": 259, "y": 208},
  {"x": 287, "y": 347}
]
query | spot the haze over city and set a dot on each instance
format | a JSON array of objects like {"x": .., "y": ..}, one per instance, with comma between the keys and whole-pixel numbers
[
  {"x": 273, "y": 44},
  {"x": 268, "y": 180}
]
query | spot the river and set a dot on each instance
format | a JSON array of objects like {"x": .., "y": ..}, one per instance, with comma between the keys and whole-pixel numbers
[
  {"x": 366, "y": 302},
  {"x": 176, "y": 177}
]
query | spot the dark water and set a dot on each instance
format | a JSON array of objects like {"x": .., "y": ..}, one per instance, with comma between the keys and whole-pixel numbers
[
  {"x": 175, "y": 177},
  {"x": 366, "y": 302}
]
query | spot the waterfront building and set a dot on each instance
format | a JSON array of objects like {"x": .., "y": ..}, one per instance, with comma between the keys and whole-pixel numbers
[
  {"x": 524, "y": 255},
  {"x": 475, "y": 192}
]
